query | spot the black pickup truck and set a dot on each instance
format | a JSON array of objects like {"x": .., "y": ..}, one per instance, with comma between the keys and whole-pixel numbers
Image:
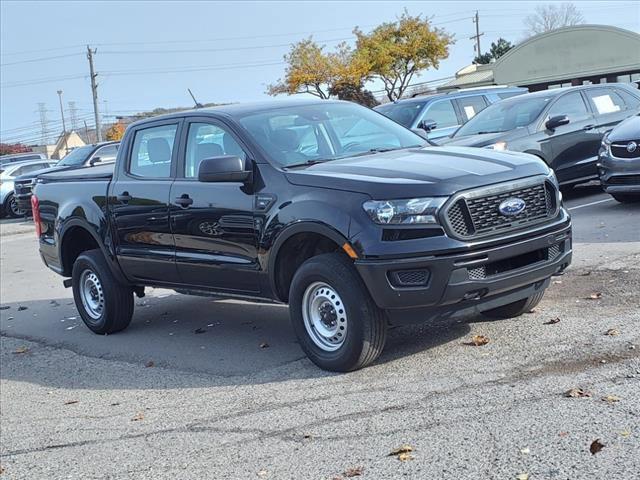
[{"x": 330, "y": 207}]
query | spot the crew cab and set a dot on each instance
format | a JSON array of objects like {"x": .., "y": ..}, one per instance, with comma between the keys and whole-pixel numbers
[{"x": 332, "y": 208}]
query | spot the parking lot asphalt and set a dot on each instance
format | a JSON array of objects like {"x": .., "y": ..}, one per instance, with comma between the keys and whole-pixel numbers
[{"x": 240, "y": 399}]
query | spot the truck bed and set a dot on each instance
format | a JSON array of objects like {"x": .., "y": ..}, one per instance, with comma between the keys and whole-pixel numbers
[{"x": 87, "y": 174}]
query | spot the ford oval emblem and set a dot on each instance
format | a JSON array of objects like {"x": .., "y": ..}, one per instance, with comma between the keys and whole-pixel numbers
[
  {"x": 631, "y": 147},
  {"x": 512, "y": 206}
]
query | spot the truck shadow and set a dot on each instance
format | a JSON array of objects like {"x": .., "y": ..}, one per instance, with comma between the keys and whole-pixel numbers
[{"x": 215, "y": 343}]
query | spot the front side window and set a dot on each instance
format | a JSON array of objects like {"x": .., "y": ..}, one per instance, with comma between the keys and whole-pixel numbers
[
  {"x": 107, "y": 154},
  {"x": 324, "y": 132},
  {"x": 572, "y": 105},
  {"x": 442, "y": 113},
  {"x": 206, "y": 140},
  {"x": 605, "y": 101},
  {"x": 152, "y": 151},
  {"x": 629, "y": 99}
]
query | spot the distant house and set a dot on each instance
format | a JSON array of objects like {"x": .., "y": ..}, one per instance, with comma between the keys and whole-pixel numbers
[{"x": 65, "y": 143}]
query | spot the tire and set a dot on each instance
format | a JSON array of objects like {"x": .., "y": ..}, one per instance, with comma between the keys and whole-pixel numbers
[
  {"x": 626, "y": 198},
  {"x": 105, "y": 305},
  {"x": 324, "y": 284},
  {"x": 515, "y": 309},
  {"x": 11, "y": 207}
]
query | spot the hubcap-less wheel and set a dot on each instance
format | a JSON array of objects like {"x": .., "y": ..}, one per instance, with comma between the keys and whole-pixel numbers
[
  {"x": 325, "y": 316},
  {"x": 13, "y": 205},
  {"x": 91, "y": 294}
]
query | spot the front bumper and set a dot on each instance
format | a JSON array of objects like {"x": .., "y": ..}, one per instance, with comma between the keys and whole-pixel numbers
[
  {"x": 512, "y": 271},
  {"x": 23, "y": 196},
  {"x": 619, "y": 175}
]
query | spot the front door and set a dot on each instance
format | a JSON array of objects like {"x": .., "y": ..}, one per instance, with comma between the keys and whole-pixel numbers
[
  {"x": 139, "y": 205},
  {"x": 213, "y": 223},
  {"x": 444, "y": 115},
  {"x": 574, "y": 147}
]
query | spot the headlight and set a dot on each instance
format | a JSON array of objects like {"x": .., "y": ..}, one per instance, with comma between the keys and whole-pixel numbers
[
  {"x": 552, "y": 176},
  {"x": 500, "y": 146},
  {"x": 404, "y": 212}
]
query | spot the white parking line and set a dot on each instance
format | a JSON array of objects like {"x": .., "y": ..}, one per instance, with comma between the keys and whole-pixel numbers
[{"x": 591, "y": 203}]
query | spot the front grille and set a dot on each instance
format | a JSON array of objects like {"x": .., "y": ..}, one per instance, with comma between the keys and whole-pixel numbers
[
  {"x": 553, "y": 252},
  {"x": 409, "y": 278},
  {"x": 475, "y": 215},
  {"x": 477, "y": 273},
  {"x": 619, "y": 150},
  {"x": 514, "y": 263},
  {"x": 624, "y": 180},
  {"x": 22, "y": 188}
]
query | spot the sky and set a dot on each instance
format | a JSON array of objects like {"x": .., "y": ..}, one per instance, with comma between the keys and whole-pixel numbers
[{"x": 150, "y": 52}]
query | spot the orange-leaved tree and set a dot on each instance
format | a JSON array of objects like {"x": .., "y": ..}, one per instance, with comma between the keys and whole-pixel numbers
[{"x": 115, "y": 131}]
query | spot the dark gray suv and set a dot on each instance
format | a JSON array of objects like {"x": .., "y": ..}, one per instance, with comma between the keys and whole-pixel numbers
[{"x": 564, "y": 126}]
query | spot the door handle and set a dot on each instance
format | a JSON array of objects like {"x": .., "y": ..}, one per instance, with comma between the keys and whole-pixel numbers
[
  {"x": 588, "y": 127},
  {"x": 184, "y": 200},
  {"x": 124, "y": 197}
]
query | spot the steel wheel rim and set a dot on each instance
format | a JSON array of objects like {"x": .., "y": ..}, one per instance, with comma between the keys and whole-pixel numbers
[
  {"x": 13, "y": 205},
  {"x": 325, "y": 316},
  {"x": 91, "y": 294}
]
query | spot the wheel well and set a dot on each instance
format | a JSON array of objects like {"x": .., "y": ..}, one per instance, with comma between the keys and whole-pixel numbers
[
  {"x": 294, "y": 252},
  {"x": 74, "y": 242}
]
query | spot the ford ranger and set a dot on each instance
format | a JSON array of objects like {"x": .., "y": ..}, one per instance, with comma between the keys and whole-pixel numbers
[{"x": 327, "y": 206}]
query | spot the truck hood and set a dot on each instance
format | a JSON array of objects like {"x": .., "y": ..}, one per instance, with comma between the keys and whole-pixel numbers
[{"x": 429, "y": 171}]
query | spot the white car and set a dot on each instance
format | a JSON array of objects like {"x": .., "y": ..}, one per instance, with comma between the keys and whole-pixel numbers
[{"x": 8, "y": 172}]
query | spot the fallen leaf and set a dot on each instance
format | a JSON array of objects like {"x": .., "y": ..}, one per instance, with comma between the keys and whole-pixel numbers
[
  {"x": 264, "y": 345},
  {"x": 20, "y": 350},
  {"x": 557, "y": 282},
  {"x": 552, "y": 321},
  {"x": 353, "y": 472},
  {"x": 478, "y": 341},
  {"x": 403, "y": 457},
  {"x": 594, "y": 296},
  {"x": 307, "y": 436},
  {"x": 576, "y": 393},
  {"x": 71, "y": 402},
  {"x": 625, "y": 433},
  {"x": 522, "y": 476},
  {"x": 585, "y": 274},
  {"x": 1, "y": 469},
  {"x": 533, "y": 310},
  {"x": 262, "y": 473},
  {"x": 525, "y": 451},
  {"x": 138, "y": 417},
  {"x": 114, "y": 404},
  {"x": 199, "y": 330},
  {"x": 596, "y": 446},
  {"x": 611, "y": 399},
  {"x": 150, "y": 363},
  {"x": 21, "y": 307},
  {"x": 612, "y": 332},
  {"x": 563, "y": 434}
]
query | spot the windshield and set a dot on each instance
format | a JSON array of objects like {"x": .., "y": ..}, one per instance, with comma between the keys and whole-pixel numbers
[
  {"x": 321, "y": 132},
  {"x": 504, "y": 116},
  {"x": 77, "y": 156},
  {"x": 404, "y": 113}
]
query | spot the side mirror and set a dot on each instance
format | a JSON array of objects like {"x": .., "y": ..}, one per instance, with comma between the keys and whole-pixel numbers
[
  {"x": 427, "y": 125},
  {"x": 94, "y": 160},
  {"x": 556, "y": 121},
  {"x": 224, "y": 168}
]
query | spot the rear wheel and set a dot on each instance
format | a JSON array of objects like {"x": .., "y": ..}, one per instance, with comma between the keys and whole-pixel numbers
[
  {"x": 626, "y": 198},
  {"x": 11, "y": 207},
  {"x": 515, "y": 309},
  {"x": 337, "y": 323},
  {"x": 105, "y": 305}
]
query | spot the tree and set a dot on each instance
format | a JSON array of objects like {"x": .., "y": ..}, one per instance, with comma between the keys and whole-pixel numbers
[
  {"x": 550, "y": 17},
  {"x": 498, "y": 49},
  {"x": 13, "y": 148},
  {"x": 396, "y": 51},
  {"x": 115, "y": 131}
]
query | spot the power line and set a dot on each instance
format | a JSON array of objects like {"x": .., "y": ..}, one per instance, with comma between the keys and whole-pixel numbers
[{"x": 41, "y": 59}]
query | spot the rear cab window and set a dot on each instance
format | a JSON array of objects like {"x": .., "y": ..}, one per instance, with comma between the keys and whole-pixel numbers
[{"x": 152, "y": 151}]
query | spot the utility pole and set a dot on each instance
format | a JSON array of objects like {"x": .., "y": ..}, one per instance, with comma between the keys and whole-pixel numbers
[
  {"x": 94, "y": 91},
  {"x": 86, "y": 131},
  {"x": 73, "y": 115},
  {"x": 64, "y": 127},
  {"x": 476, "y": 20},
  {"x": 44, "y": 123}
]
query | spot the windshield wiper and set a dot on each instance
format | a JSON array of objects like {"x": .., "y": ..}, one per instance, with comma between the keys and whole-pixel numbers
[
  {"x": 489, "y": 131},
  {"x": 307, "y": 163}
]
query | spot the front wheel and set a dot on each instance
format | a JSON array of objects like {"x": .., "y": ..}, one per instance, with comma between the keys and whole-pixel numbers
[
  {"x": 337, "y": 323},
  {"x": 515, "y": 309},
  {"x": 11, "y": 207},
  {"x": 105, "y": 305}
]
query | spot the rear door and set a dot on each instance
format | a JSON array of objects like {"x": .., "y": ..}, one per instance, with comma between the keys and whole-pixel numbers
[
  {"x": 139, "y": 203},
  {"x": 608, "y": 106},
  {"x": 213, "y": 223},
  {"x": 470, "y": 106},
  {"x": 574, "y": 147}
]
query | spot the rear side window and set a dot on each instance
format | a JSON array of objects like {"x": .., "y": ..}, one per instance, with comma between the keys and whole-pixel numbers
[
  {"x": 605, "y": 101},
  {"x": 443, "y": 113},
  {"x": 572, "y": 105},
  {"x": 629, "y": 99},
  {"x": 152, "y": 151},
  {"x": 469, "y": 106}
]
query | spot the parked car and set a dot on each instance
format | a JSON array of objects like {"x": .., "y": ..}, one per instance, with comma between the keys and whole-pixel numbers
[
  {"x": 564, "y": 126},
  {"x": 619, "y": 161},
  {"x": 325, "y": 205},
  {"x": 441, "y": 114},
  {"x": 21, "y": 157},
  {"x": 8, "y": 173},
  {"x": 87, "y": 155}
]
